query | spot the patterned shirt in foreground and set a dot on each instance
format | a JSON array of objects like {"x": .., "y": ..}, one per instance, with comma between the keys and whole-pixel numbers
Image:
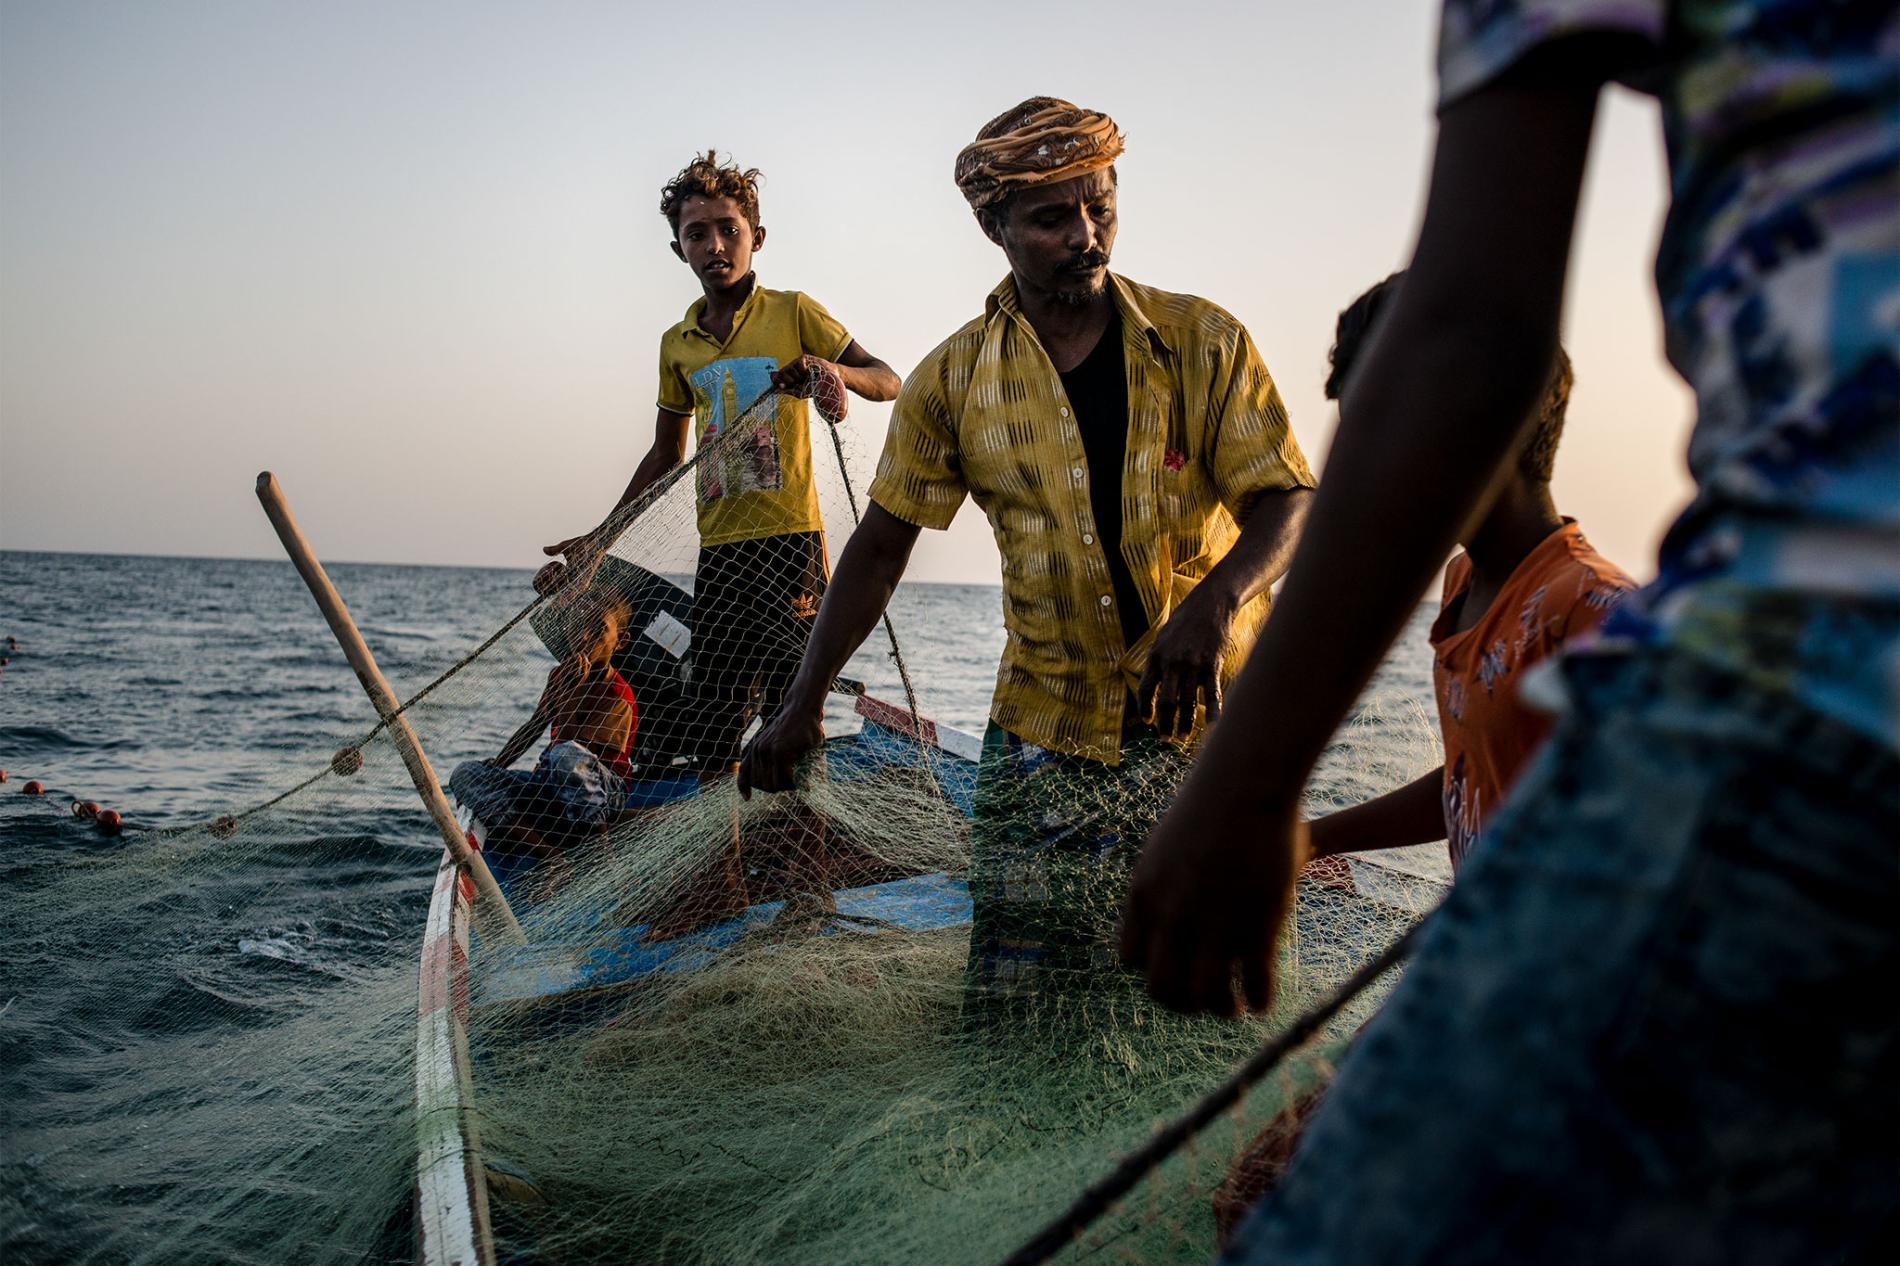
[
  {"x": 985, "y": 415},
  {"x": 1779, "y": 274}
]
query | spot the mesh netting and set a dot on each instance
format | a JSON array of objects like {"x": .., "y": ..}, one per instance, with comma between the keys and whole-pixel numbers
[{"x": 875, "y": 1020}]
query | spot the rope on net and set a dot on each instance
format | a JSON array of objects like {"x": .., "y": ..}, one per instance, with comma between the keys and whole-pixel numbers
[
  {"x": 618, "y": 524},
  {"x": 1100, "y": 1197},
  {"x": 890, "y": 631}
]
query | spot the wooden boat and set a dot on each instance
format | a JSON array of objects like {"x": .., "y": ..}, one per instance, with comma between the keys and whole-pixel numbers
[
  {"x": 451, "y": 1194},
  {"x": 451, "y": 1190}
]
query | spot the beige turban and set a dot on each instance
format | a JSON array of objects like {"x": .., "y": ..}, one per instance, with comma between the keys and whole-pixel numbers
[{"x": 1038, "y": 142}]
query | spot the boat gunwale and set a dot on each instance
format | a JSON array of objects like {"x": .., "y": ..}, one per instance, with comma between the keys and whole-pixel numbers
[{"x": 451, "y": 1190}]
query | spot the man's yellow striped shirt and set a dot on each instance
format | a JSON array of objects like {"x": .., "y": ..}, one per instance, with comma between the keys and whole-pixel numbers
[{"x": 985, "y": 416}]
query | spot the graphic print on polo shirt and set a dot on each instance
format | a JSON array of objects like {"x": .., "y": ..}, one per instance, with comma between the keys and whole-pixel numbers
[{"x": 749, "y": 463}]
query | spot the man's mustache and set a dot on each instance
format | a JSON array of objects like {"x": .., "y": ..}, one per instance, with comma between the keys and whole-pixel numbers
[{"x": 1087, "y": 261}]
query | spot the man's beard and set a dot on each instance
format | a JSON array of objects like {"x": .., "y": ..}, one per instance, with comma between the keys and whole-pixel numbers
[
  {"x": 1080, "y": 296},
  {"x": 1077, "y": 298}
]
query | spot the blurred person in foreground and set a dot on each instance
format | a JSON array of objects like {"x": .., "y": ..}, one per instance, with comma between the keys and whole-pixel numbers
[
  {"x": 1655, "y": 1019},
  {"x": 1134, "y": 459}
]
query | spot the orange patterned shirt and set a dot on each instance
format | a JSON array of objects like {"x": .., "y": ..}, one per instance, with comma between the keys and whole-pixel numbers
[{"x": 1562, "y": 588}]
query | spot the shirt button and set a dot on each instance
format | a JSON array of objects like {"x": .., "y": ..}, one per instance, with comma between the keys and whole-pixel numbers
[
  {"x": 1106, "y": 600},
  {"x": 1087, "y": 539},
  {"x": 1078, "y": 472},
  {"x": 1063, "y": 411}
]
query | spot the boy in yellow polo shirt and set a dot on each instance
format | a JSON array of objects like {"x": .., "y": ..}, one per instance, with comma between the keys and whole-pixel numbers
[{"x": 762, "y": 566}]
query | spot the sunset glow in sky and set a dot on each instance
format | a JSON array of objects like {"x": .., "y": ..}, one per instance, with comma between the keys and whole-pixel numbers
[{"x": 408, "y": 256}]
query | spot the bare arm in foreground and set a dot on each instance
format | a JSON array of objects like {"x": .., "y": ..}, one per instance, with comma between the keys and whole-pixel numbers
[
  {"x": 1426, "y": 426},
  {"x": 873, "y": 562}
]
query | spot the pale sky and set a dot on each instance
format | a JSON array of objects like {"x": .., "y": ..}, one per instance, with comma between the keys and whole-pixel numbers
[{"x": 408, "y": 256}]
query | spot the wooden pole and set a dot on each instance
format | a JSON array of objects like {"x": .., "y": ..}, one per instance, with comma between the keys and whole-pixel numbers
[{"x": 488, "y": 894}]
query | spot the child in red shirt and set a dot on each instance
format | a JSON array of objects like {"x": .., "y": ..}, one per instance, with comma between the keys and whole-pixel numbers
[{"x": 578, "y": 786}]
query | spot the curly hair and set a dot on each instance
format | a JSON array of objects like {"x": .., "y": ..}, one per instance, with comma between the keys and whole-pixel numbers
[
  {"x": 1355, "y": 326},
  {"x": 707, "y": 177},
  {"x": 1536, "y": 460},
  {"x": 590, "y": 616}
]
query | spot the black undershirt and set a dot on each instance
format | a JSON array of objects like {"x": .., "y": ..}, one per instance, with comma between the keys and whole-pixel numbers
[{"x": 1098, "y": 393}]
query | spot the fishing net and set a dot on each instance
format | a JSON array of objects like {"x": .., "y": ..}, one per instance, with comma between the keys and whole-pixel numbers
[{"x": 878, "y": 1019}]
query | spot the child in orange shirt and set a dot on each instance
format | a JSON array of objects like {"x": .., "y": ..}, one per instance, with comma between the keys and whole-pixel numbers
[{"x": 1526, "y": 583}]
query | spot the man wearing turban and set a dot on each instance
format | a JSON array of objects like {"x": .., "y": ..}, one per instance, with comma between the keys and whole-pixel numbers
[{"x": 1136, "y": 464}]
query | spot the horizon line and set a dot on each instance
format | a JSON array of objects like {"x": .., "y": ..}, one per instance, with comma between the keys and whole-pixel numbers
[{"x": 357, "y": 562}]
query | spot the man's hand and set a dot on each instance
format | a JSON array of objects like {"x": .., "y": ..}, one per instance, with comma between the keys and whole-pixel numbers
[
  {"x": 817, "y": 380},
  {"x": 1184, "y": 664},
  {"x": 1207, "y": 899},
  {"x": 582, "y": 553},
  {"x": 771, "y": 758}
]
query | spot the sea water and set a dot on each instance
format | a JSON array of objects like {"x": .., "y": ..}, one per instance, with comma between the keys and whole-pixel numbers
[{"x": 174, "y": 690}]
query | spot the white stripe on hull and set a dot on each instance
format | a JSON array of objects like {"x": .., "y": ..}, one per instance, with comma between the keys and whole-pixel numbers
[{"x": 451, "y": 1192}]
